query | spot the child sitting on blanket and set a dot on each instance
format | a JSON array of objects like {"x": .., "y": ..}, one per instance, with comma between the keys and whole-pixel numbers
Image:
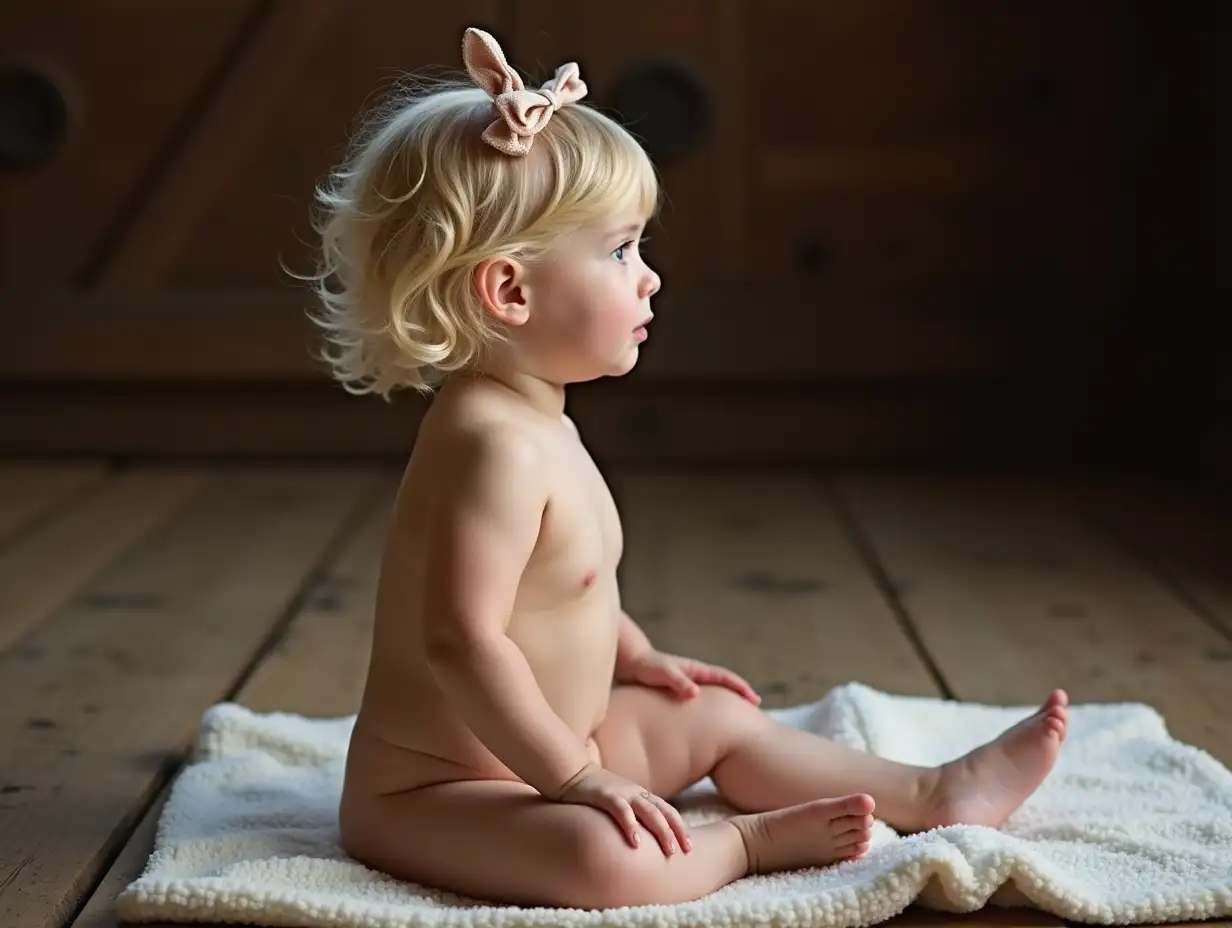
[{"x": 519, "y": 736}]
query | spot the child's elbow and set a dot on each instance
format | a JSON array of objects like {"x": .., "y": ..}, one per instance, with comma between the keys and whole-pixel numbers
[{"x": 454, "y": 643}]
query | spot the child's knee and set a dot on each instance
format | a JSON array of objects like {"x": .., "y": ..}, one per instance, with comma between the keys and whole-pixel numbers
[
  {"x": 612, "y": 873},
  {"x": 728, "y": 711}
]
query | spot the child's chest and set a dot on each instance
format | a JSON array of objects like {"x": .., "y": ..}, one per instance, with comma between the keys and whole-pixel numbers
[{"x": 580, "y": 539}]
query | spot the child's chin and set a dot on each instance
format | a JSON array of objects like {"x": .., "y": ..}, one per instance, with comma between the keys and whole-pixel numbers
[
  {"x": 617, "y": 366},
  {"x": 627, "y": 363}
]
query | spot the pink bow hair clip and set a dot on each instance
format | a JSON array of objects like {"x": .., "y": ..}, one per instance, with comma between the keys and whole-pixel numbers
[{"x": 523, "y": 113}]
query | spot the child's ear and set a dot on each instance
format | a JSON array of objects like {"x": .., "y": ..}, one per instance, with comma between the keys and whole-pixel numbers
[{"x": 501, "y": 285}]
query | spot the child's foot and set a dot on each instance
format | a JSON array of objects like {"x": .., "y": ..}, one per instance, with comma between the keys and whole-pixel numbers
[
  {"x": 811, "y": 834},
  {"x": 985, "y": 786}
]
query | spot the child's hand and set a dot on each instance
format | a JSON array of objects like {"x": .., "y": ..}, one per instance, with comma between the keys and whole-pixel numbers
[
  {"x": 628, "y": 804},
  {"x": 682, "y": 675}
]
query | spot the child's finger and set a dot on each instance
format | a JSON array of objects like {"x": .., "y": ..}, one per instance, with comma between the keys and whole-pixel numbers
[
  {"x": 678, "y": 826},
  {"x": 656, "y": 822},
  {"x": 626, "y": 819},
  {"x": 735, "y": 682}
]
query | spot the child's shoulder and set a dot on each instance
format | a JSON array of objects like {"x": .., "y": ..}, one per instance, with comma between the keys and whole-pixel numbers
[{"x": 478, "y": 429}]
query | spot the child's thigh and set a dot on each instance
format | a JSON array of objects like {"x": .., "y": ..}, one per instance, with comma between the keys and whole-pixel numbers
[
  {"x": 664, "y": 742},
  {"x": 497, "y": 840}
]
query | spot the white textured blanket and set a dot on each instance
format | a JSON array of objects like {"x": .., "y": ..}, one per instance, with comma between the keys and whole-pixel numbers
[{"x": 1130, "y": 827}]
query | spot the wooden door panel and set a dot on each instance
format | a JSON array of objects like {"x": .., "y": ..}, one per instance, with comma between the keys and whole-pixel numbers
[
  {"x": 915, "y": 242},
  {"x": 890, "y": 199},
  {"x": 832, "y": 73},
  {"x": 131, "y": 74},
  {"x": 263, "y": 217}
]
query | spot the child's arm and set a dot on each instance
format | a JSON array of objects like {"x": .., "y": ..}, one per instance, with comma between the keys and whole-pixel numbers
[{"x": 486, "y": 526}]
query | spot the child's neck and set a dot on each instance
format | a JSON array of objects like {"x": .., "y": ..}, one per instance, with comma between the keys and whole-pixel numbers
[{"x": 542, "y": 395}]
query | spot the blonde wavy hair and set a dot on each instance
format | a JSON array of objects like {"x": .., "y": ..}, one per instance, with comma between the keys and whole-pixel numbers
[{"x": 420, "y": 200}]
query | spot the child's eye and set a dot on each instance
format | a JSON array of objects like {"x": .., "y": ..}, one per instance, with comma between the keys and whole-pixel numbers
[{"x": 619, "y": 253}]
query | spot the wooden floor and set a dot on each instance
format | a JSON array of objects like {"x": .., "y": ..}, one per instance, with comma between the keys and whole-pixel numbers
[{"x": 131, "y": 599}]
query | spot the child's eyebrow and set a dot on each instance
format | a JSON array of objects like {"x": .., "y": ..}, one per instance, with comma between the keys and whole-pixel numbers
[{"x": 628, "y": 228}]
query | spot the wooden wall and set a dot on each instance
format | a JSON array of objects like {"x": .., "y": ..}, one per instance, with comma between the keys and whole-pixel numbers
[{"x": 935, "y": 230}]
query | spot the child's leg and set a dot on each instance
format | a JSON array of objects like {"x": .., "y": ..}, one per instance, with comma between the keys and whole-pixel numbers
[
  {"x": 503, "y": 842},
  {"x": 757, "y": 764}
]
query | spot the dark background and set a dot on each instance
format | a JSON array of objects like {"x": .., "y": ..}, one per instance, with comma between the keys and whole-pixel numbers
[{"x": 920, "y": 232}]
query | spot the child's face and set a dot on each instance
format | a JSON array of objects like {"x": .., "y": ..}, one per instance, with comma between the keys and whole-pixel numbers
[{"x": 588, "y": 299}]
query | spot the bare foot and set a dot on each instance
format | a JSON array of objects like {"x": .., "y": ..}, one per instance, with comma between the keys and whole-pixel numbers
[
  {"x": 811, "y": 834},
  {"x": 985, "y": 786}
]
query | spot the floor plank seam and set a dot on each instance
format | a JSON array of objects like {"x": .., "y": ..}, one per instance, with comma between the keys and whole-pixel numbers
[
  {"x": 881, "y": 579},
  {"x": 114, "y": 848},
  {"x": 1164, "y": 577},
  {"x": 347, "y": 531}
]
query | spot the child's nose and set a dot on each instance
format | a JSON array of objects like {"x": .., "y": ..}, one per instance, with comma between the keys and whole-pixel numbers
[{"x": 650, "y": 284}]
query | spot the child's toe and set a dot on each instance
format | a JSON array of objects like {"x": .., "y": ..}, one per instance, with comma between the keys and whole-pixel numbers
[{"x": 859, "y": 804}]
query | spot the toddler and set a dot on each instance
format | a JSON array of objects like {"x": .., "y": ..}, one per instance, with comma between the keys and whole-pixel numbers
[{"x": 519, "y": 737}]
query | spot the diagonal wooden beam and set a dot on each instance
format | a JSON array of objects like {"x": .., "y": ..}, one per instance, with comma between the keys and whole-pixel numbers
[{"x": 231, "y": 122}]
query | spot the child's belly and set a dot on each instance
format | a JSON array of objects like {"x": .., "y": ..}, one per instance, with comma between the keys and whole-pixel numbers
[
  {"x": 573, "y": 656},
  {"x": 408, "y": 733}
]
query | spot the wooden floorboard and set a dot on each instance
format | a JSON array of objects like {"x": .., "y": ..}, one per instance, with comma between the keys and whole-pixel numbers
[
  {"x": 315, "y": 668},
  {"x": 31, "y": 490},
  {"x": 44, "y": 568},
  {"x": 1013, "y": 592},
  {"x": 990, "y": 590},
  {"x": 101, "y": 699},
  {"x": 756, "y": 571},
  {"x": 1184, "y": 538}
]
